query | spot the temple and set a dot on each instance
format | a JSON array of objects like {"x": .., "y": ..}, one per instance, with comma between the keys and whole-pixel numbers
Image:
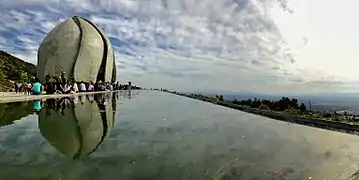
[{"x": 79, "y": 48}]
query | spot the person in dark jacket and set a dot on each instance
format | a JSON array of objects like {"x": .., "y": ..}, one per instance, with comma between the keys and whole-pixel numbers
[
  {"x": 63, "y": 79},
  {"x": 49, "y": 85}
]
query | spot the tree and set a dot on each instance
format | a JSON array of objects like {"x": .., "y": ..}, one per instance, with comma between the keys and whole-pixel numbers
[
  {"x": 302, "y": 108},
  {"x": 264, "y": 106},
  {"x": 266, "y": 102},
  {"x": 235, "y": 101},
  {"x": 24, "y": 77},
  {"x": 327, "y": 115},
  {"x": 247, "y": 102},
  {"x": 256, "y": 103},
  {"x": 220, "y": 97},
  {"x": 283, "y": 104},
  {"x": 294, "y": 103}
]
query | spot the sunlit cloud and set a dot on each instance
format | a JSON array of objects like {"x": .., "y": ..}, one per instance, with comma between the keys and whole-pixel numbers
[{"x": 231, "y": 45}]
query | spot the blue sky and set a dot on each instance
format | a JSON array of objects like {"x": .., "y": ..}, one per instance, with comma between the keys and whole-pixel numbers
[{"x": 305, "y": 46}]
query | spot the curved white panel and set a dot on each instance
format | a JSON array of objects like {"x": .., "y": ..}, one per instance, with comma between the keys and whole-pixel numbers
[
  {"x": 90, "y": 53},
  {"x": 109, "y": 58},
  {"x": 91, "y": 126},
  {"x": 61, "y": 131},
  {"x": 114, "y": 71},
  {"x": 109, "y": 62},
  {"x": 58, "y": 51}
]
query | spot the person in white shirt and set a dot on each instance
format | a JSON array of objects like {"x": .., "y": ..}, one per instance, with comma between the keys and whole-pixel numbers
[
  {"x": 82, "y": 87},
  {"x": 67, "y": 89},
  {"x": 90, "y": 88},
  {"x": 29, "y": 87},
  {"x": 75, "y": 88}
]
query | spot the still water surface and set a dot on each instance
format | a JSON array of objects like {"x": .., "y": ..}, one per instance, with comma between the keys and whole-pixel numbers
[{"x": 154, "y": 135}]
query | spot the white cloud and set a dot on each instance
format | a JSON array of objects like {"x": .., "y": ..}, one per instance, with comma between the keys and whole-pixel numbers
[
  {"x": 234, "y": 45},
  {"x": 323, "y": 38}
]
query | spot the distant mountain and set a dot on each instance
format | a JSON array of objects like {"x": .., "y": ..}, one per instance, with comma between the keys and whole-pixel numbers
[{"x": 14, "y": 69}]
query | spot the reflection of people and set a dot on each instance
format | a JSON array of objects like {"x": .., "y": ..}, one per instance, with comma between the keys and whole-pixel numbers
[
  {"x": 37, "y": 105},
  {"x": 100, "y": 99},
  {"x": 65, "y": 103},
  {"x": 50, "y": 105},
  {"x": 76, "y": 99},
  {"x": 90, "y": 98},
  {"x": 82, "y": 99}
]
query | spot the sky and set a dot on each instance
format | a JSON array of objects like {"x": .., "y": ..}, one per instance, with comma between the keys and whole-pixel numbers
[{"x": 262, "y": 46}]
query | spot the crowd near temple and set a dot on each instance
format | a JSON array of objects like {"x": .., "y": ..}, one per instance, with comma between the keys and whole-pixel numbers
[
  {"x": 61, "y": 85},
  {"x": 74, "y": 64}
]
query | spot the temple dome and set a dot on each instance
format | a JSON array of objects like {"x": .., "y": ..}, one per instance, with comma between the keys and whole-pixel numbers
[{"x": 79, "y": 48}]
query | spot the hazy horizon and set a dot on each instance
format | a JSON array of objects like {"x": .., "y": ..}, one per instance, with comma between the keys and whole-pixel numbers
[{"x": 323, "y": 101}]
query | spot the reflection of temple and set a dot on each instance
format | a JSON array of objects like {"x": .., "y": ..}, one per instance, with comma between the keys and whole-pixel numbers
[
  {"x": 10, "y": 112},
  {"x": 77, "y": 128}
]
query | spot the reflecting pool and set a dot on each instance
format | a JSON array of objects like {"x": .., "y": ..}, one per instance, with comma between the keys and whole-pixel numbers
[{"x": 154, "y": 135}]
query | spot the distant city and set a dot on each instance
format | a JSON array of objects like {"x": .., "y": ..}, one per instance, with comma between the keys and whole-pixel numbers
[{"x": 329, "y": 102}]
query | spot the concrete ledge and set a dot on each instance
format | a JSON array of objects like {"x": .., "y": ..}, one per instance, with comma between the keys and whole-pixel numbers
[
  {"x": 319, "y": 123},
  {"x": 11, "y": 97}
]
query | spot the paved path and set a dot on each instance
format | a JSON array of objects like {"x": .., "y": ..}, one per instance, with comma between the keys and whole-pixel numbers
[{"x": 6, "y": 97}]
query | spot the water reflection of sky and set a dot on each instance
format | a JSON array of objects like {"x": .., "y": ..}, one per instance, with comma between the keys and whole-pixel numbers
[{"x": 161, "y": 136}]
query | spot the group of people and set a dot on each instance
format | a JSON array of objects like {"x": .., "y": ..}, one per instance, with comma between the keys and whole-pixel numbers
[
  {"x": 60, "y": 85},
  {"x": 25, "y": 87}
]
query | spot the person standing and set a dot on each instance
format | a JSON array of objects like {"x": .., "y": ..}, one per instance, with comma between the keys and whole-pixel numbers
[
  {"x": 90, "y": 87},
  {"x": 37, "y": 87},
  {"x": 82, "y": 87},
  {"x": 49, "y": 85},
  {"x": 129, "y": 86},
  {"x": 25, "y": 88},
  {"x": 16, "y": 87},
  {"x": 29, "y": 87},
  {"x": 75, "y": 88},
  {"x": 117, "y": 86},
  {"x": 107, "y": 86},
  {"x": 63, "y": 78},
  {"x": 19, "y": 87}
]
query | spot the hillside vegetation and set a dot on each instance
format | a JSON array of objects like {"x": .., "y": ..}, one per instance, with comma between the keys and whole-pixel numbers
[
  {"x": 10, "y": 112},
  {"x": 14, "y": 69}
]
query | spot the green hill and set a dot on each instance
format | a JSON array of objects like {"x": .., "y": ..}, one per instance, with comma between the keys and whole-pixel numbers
[{"x": 14, "y": 69}]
